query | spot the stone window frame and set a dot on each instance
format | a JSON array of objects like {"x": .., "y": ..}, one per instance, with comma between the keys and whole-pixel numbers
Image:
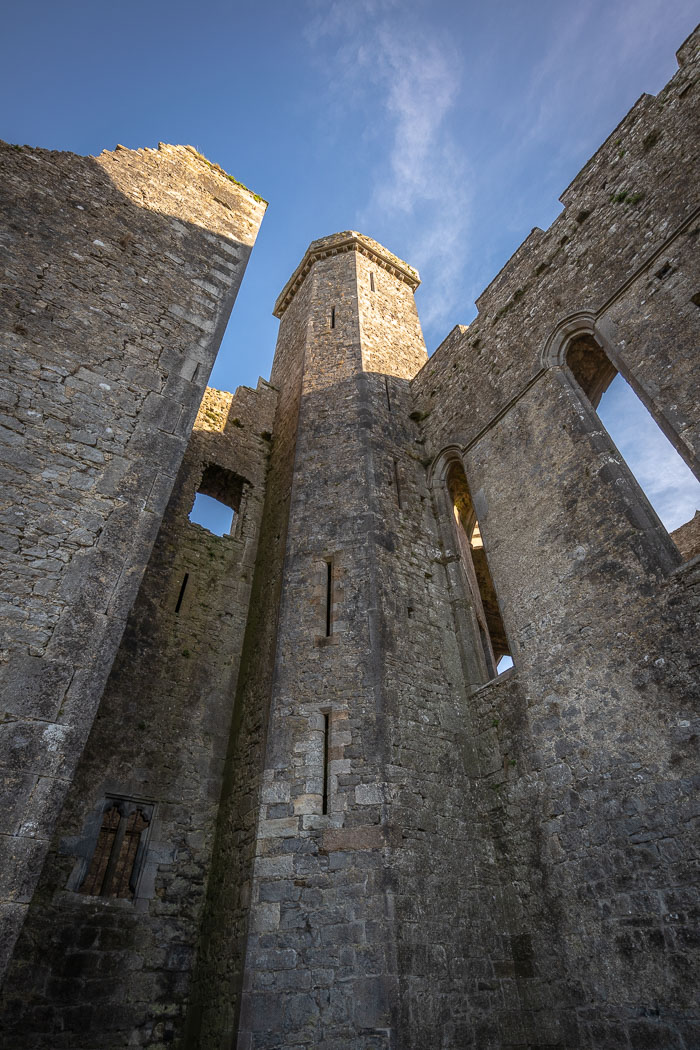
[
  {"x": 88, "y": 844},
  {"x": 319, "y": 594},
  {"x": 477, "y": 672},
  {"x": 660, "y": 547}
]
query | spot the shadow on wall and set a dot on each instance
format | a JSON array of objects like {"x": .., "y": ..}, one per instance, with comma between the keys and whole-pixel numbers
[{"x": 110, "y": 349}]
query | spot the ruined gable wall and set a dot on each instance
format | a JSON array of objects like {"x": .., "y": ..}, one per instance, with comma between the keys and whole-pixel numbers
[
  {"x": 116, "y": 971},
  {"x": 118, "y": 277},
  {"x": 595, "y": 727},
  {"x": 582, "y": 263}
]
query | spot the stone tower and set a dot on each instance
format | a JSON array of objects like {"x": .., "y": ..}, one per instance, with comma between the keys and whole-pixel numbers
[{"x": 349, "y": 342}]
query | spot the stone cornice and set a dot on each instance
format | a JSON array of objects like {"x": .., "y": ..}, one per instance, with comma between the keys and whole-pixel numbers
[{"x": 337, "y": 244}]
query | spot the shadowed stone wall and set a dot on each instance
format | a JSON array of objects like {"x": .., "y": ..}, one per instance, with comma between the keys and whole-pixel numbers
[
  {"x": 112, "y": 972},
  {"x": 119, "y": 273}
]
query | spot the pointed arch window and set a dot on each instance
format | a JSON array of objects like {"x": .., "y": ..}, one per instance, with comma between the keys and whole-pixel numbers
[
  {"x": 479, "y": 582},
  {"x": 650, "y": 451}
]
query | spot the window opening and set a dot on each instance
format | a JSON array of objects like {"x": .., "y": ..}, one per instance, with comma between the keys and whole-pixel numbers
[
  {"x": 332, "y": 317},
  {"x": 326, "y": 759},
  {"x": 397, "y": 482},
  {"x": 117, "y": 860},
  {"x": 478, "y": 575},
  {"x": 181, "y": 595},
  {"x": 218, "y": 500},
  {"x": 329, "y": 596},
  {"x": 371, "y": 281},
  {"x": 662, "y": 474},
  {"x": 388, "y": 396}
]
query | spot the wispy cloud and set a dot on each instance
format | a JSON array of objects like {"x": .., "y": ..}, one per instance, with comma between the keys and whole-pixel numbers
[
  {"x": 579, "y": 61},
  {"x": 419, "y": 196}
]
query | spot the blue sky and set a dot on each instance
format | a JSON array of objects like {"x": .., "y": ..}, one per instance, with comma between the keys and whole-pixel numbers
[{"x": 445, "y": 130}]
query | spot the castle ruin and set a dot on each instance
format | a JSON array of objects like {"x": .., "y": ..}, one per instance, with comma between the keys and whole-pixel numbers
[{"x": 268, "y": 790}]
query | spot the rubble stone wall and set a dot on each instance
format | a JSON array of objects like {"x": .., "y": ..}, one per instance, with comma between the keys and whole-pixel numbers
[
  {"x": 111, "y": 971},
  {"x": 119, "y": 273},
  {"x": 596, "y": 725}
]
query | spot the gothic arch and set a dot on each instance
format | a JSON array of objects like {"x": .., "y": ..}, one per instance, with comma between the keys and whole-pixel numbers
[{"x": 476, "y": 604}]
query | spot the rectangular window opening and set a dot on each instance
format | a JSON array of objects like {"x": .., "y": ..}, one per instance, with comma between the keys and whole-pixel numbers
[
  {"x": 329, "y": 597},
  {"x": 217, "y": 500},
  {"x": 371, "y": 281},
  {"x": 181, "y": 595},
  {"x": 332, "y": 317},
  {"x": 326, "y": 760}
]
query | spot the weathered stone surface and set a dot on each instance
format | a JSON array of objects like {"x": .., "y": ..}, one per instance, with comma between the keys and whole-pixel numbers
[
  {"x": 161, "y": 734},
  {"x": 363, "y": 837},
  {"x": 95, "y": 253}
]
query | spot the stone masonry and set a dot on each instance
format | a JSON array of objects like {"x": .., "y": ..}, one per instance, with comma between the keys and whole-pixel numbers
[
  {"x": 300, "y": 807},
  {"x": 119, "y": 274}
]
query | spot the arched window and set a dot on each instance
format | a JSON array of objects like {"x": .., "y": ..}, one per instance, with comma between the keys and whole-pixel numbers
[
  {"x": 477, "y": 574},
  {"x": 666, "y": 480}
]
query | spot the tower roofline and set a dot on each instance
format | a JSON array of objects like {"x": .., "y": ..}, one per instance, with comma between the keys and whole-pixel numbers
[{"x": 336, "y": 244}]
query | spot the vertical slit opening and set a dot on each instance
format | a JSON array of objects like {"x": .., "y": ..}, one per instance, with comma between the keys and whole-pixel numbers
[
  {"x": 329, "y": 596},
  {"x": 397, "y": 482},
  {"x": 388, "y": 395},
  {"x": 371, "y": 281},
  {"x": 326, "y": 759},
  {"x": 181, "y": 595},
  {"x": 332, "y": 317}
]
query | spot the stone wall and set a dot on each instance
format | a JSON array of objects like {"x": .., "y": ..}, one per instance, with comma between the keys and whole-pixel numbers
[
  {"x": 593, "y": 793},
  {"x": 113, "y": 972},
  {"x": 216, "y": 1000},
  {"x": 119, "y": 273},
  {"x": 381, "y": 842}
]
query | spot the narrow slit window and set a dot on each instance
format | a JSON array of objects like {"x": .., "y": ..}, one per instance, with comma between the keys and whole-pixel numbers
[
  {"x": 332, "y": 317},
  {"x": 329, "y": 597},
  {"x": 117, "y": 859},
  {"x": 662, "y": 474},
  {"x": 181, "y": 595},
  {"x": 371, "y": 281},
  {"x": 326, "y": 760},
  {"x": 217, "y": 500},
  {"x": 388, "y": 395},
  {"x": 397, "y": 482},
  {"x": 484, "y": 600}
]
